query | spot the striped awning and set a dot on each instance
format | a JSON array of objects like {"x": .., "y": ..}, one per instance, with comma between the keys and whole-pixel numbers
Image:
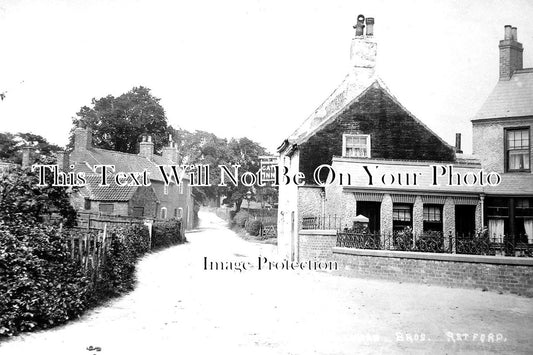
[
  {"x": 368, "y": 196},
  {"x": 466, "y": 200},
  {"x": 434, "y": 199},
  {"x": 401, "y": 198}
]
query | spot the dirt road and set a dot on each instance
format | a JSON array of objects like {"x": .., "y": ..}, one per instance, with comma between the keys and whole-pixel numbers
[{"x": 180, "y": 308}]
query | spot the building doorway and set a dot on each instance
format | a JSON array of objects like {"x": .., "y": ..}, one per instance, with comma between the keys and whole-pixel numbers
[
  {"x": 465, "y": 220},
  {"x": 372, "y": 211}
]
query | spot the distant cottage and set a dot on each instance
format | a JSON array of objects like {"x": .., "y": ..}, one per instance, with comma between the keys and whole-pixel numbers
[{"x": 155, "y": 201}]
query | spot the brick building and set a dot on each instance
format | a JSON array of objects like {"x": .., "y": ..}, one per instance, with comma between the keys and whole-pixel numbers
[
  {"x": 502, "y": 141},
  {"x": 362, "y": 124},
  {"x": 155, "y": 201}
]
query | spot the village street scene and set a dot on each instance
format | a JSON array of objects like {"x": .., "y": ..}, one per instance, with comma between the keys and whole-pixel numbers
[
  {"x": 282, "y": 312},
  {"x": 143, "y": 210}
]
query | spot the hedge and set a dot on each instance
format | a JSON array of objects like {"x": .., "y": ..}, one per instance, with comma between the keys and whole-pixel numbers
[
  {"x": 40, "y": 285},
  {"x": 166, "y": 234}
]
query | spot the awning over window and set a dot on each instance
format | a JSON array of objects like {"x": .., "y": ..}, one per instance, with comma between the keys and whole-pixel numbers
[
  {"x": 398, "y": 198},
  {"x": 466, "y": 200},
  {"x": 368, "y": 196},
  {"x": 433, "y": 199}
]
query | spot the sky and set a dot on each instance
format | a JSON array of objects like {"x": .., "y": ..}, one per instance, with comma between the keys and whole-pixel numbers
[{"x": 249, "y": 68}]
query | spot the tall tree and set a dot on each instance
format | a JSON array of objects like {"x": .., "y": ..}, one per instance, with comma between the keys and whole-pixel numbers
[{"x": 118, "y": 122}]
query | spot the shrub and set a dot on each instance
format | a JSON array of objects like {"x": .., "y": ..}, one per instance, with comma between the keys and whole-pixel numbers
[
  {"x": 240, "y": 218},
  {"x": 430, "y": 241},
  {"x": 166, "y": 234},
  {"x": 40, "y": 285},
  {"x": 118, "y": 272},
  {"x": 254, "y": 227}
]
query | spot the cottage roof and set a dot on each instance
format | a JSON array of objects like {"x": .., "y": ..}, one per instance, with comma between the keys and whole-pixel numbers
[
  {"x": 510, "y": 98},
  {"x": 93, "y": 191},
  {"x": 124, "y": 162}
]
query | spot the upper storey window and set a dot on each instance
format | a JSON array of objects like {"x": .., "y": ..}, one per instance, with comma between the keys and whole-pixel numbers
[
  {"x": 356, "y": 145},
  {"x": 517, "y": 149}
]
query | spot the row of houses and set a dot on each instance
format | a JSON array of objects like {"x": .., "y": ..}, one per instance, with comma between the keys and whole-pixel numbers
[
  {"x": 361, "y": 124},
  {"x": 156, "y": 201}
]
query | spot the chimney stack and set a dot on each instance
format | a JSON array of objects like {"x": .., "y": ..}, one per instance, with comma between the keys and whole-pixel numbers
[
  {"x": 63, "y": 162},
  {"x": 26, "y": 157},
  {"x": 146, "y": 147},
  {"x": 83, "y": 139},
  {"x": 511, "y": 53},
  {"x": 364, "y": 49},
  {"x": 458, "y": 143},
  {"x": 170, "y": 153}
]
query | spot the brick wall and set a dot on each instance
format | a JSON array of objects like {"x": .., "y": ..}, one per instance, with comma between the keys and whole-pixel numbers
[
  {"x": 316, "y": 244},
  {"x": 500, "y": 274},
  {"x": 488, "y": 141}
]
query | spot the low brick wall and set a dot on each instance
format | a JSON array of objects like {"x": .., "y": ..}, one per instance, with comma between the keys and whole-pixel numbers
[
  {"x": 317, "y": 244},
  {"x": 504, "y": 274}
]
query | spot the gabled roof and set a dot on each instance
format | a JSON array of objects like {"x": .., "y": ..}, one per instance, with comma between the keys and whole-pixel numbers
[
  {"x": 510, "y": 98},
  {"x": 93, "y": 191},
  {"x": 352, "y": 88}
]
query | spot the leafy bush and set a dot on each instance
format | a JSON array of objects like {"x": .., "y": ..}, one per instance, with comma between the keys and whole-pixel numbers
[
  {"x": 254, "y": 227},
  {"x": 430, "y": 241},
  {"x": 118, "y": 273},
  {"x": 166, "y": 234},
  {"x": 40, "y": 285},
  {"x": 240, "y": 218}
]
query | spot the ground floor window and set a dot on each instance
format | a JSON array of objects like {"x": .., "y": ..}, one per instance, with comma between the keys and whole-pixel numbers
[
  {"x": 432, "y": 218},
  {"x": 163, "y": 213},
  {"x": 402, "y": 216}
]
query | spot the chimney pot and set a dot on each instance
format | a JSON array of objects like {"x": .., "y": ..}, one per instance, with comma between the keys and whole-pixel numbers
[
  {"x": 359, "y": 26},
  {"x": 514, "y": 34},
  {"x": 508, "y": 32},
  {"x": 369, "y": 26}
]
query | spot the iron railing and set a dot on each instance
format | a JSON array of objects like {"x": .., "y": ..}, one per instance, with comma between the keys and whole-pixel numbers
[
  {"x": 322, "y": 222},
  {"x": 435, "y": 242}
]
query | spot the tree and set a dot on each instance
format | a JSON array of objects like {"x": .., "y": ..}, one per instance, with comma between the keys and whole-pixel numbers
[
  {"x": 245, "y": 153},
  {"x": 22, "y": 200},
  {"x": 118, "y": 122}
]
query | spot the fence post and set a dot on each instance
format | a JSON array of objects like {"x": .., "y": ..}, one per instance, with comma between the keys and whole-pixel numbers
[{"x": 451, "y": 242}]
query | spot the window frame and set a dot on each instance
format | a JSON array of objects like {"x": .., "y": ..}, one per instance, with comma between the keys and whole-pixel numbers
[
  {"x": 344, "y": 139},
  {"x": 507, "y": 149},
  {"x": 163, "y": 215},
  {"x": 429, "y": 225},
  {"x": 400, "y": 224}
]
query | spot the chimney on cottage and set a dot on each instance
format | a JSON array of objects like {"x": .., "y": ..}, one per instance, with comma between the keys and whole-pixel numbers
[
  {"x": 458, "y": 143},
  {"x": 83, "y": 139},
  {"x": 364, "y": 49},
  {"x": 26, "y": 156},
  {"x": 146, "y": 147},
  {"x": 511, "y": 53},
  {"x": 63, "y": 160},
  {"x": 170, "y": 153}
]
